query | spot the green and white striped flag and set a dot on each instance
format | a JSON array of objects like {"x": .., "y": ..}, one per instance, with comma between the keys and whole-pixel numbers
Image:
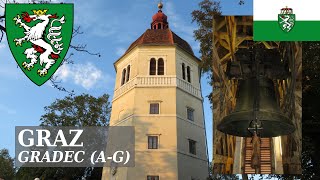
[{"x": 286, "y": 20}]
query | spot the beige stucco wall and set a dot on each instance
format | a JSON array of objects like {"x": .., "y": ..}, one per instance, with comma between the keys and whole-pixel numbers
[{"x": 130, "y": 106}]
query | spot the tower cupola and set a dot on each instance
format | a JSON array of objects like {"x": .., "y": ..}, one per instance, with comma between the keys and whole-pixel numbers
[{"x": 159, "y": 20}]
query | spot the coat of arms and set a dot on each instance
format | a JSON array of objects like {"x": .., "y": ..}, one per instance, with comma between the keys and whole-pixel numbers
[
  {"x": 286, "y": 19},
  {"x": 39, "y": 36}
]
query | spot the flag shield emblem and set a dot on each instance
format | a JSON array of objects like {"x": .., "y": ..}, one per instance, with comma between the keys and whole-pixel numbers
[
  {"x": 39, "y": 37},
  {"x": 286, "y": 19}
]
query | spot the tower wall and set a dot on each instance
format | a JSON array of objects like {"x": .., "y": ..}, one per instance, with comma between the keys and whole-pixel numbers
[{"x": 131, "y": 107}]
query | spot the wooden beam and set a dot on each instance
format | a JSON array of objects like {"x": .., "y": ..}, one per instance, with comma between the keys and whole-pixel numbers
[
  {"x": 224, "y": 44},
  {"x": 231, "y": 29},
  {"x": 220, "y": 72},
  {"x": 241, "y": 39},
  {"x": 267, "y": 45},
  {"x": 222, "y": 35},
  {"x": 225, "y": 58},
  {"x": 244, "y": 28},
  {"x": 215, "y": 56},
  {"x": 244, "y": 23},
  {"x": 220, "y": 25}
]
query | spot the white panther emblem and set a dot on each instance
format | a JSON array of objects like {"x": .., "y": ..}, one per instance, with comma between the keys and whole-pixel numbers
[{"x": 49, "y": 51}]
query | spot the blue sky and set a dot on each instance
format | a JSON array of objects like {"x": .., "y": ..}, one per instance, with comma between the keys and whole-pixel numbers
[{"x": 109, "y": 28}]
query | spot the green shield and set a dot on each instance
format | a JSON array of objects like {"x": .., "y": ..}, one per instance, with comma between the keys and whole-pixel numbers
[
  {"x": 39, "y": 37},
  {"x": 286, "y": 21}
]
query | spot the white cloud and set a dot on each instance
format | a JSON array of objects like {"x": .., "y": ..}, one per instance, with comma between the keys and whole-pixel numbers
[
  {"x": 86, "y": 75},
  {"x": 63, "y": 72}
]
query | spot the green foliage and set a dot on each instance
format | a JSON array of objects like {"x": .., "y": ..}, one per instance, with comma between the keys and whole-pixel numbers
[
  {"x": 83, "y": 110},
  {"x": 204, "y": 18},
  {"x": 6, "y": 165}
]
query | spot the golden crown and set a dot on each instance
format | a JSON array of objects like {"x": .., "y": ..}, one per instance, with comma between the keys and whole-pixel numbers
[{"x": 40, "y": 12}]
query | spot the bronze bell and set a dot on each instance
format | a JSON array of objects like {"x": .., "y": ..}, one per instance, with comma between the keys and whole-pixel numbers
[{"x": 256, "y": 108}]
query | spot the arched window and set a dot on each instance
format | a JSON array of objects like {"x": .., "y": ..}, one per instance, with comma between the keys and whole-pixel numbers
[
  {"x": 183, "y": 72},
  {"x": 159, "y": 26},
  {"x": 128, "y": 73},
  {"x": 188, "y": 74},
  {"x": 160, "y": 66},
  {"x": 152, "y": 67},
  {"x": 123, "y": 78}
]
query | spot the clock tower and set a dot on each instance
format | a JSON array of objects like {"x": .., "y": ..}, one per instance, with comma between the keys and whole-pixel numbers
[{"x": 157, "y": 90}]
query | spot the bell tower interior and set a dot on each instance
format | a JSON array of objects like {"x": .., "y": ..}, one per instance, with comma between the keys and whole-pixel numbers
[{"x": 256, "y": 101}]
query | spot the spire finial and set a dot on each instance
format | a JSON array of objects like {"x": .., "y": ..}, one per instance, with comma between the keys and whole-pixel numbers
[{"x": 160, "y": 5}]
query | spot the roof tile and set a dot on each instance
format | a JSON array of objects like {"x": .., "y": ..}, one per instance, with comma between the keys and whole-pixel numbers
[{"x": 160, "y": 37}]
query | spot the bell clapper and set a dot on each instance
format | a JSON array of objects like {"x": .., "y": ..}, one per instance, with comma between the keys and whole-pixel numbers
[{"x": 255, "y": 126}]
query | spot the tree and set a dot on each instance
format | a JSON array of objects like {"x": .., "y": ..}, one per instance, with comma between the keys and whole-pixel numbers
[
  {"x": 7, "y": 169},
  {"x": 82, "y": 110},
  {"x": 55, "y": 173},
  {"x": 204, "y": 17}
]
